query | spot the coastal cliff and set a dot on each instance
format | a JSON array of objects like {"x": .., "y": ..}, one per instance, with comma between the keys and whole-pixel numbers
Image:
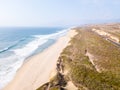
[{"x": 90, "y": 62}]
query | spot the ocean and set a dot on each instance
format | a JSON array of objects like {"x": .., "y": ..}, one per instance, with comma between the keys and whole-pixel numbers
[{"x": 18, "y": 44}]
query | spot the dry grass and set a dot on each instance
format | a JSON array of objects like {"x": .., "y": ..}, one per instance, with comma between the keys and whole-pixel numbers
[{"x": 81, "y": 71}]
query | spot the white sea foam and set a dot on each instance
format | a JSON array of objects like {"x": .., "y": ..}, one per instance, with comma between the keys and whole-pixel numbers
[
  {"x": 32, "y": 46},
  {"x": 8, "y": 68},
  {"x": 54, "y": 35},
  {"x": 10, "y": 64}
]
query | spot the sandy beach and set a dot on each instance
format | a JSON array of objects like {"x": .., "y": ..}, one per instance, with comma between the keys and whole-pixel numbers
[{"x": 36, "y": 71}]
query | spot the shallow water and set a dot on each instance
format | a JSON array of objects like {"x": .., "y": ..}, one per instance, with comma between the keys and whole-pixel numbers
[{"x": 17, "y": 44}]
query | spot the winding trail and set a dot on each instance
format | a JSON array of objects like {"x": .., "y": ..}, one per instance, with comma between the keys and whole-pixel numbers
[{"x": 92, "y": 58}]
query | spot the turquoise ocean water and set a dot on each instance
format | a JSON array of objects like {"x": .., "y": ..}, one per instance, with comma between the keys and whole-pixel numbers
[{"x": 17, "y": 44}]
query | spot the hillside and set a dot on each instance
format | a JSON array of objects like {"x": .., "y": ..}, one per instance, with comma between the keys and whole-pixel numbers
[{"x": 90, "y": 62}]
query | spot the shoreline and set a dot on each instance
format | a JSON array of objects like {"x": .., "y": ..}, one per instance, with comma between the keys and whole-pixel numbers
[{"x": 36, "y": 72}]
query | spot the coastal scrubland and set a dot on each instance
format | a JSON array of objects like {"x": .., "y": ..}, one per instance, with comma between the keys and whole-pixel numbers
[
  {"x": 90, "y": 62},
  {"x": 113, "y": 29}
]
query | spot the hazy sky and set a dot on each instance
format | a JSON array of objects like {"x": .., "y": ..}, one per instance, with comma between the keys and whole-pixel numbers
[{"x": 56, "y": 12}]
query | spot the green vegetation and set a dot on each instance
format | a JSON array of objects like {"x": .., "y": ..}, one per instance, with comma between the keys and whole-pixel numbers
[{"x": 82, "y": 72}]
